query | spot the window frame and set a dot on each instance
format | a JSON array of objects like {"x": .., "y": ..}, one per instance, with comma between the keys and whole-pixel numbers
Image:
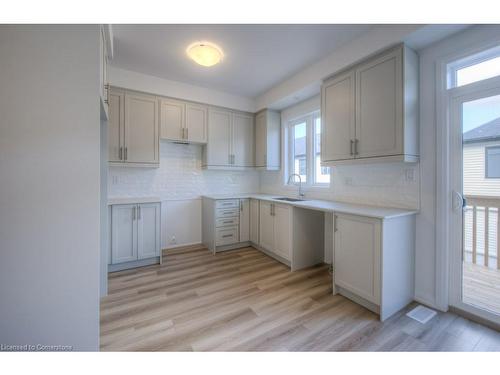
[
  {"x": 467, "y": 61},
  {"x": 486, "y": 148},
  {"x": 311, "y": 173}
]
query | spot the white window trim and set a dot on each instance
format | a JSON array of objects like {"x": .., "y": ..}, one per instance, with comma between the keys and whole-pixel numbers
[{"x": 310, "y": 184}]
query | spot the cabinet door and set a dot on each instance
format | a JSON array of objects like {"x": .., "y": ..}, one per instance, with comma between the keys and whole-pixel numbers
[
  {"x": 260, "y": 140},
  {"x": 338, "y": 116},
  {"x": 266, "y": 226},
  {"x": 148, "y": 230},
  {"x": 244, "y": 220},
  {"x": 123, "y": 233},
  {"x": 172, "y": 119},
  {"x": 218, "y": 148},
  {"x": 116, "y": 126},
  {"x": 196, "y": 123},
  {"x": 254, "y": 221},
  {"x": 141, "y": 128},
  {"x": 357, "y": 255},
  {"x": 282, "y": 230},
  {"x": 379, "y": 116},
  {"x": 243, "y": 144}
]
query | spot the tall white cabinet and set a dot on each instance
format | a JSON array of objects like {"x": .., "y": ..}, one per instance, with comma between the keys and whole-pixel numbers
[
  {"x": 135, "y": 235},
  {"x": 370, "y": 112},
  {"x": 133, "y": 132},
  {"x": 230, "y": 140}
]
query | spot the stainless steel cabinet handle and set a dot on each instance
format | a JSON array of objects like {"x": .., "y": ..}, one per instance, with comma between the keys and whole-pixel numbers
[
  {"x": 120, "y": 153},
  {"x": 187, "y": 133},
  {"x": 351, "y": 149},
  {"x": 356, "y": 141},
  {"x": 126, "y": 154},
  {"x": 241, "y": 206},
  {"x": 335, "y": 217},
  {"x": 133, "y": 213},
  {"x": 227, "y": 235},
  {"x": 138, "y": 212}
]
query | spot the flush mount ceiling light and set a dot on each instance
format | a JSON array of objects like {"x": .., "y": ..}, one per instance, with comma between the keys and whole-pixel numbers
[{"x": 205, "y": 53}]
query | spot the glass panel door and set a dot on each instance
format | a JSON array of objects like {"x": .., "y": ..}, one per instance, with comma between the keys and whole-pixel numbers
[{"x": 475, "y": 122}]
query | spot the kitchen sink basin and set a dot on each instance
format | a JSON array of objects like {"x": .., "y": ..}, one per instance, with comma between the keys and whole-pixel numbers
[{"x": 289, "y": 199}]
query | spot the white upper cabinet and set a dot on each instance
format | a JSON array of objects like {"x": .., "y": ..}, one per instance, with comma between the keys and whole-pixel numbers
[
  {"x": 196, "y": 123},
  {"x": 141, "y": 129},
  {"x": 338, "y": 137},
  {"x": 369, "y": 113},
  {"x": 268, "y": 140},
  {"x": 217, "y": 152},
  {"x": 243, "y": 140},
  {"x": 133, "y": 133},
  {"x": 183, "y": 121},
  {"x": 379, "y": 107},
  {"x": 172, "y": 117},
  {"x": 230, "y": 140},
  {"x": 116, "y": 125}
]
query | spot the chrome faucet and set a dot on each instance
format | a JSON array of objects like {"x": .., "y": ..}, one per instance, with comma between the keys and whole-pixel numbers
[{"x": 301, "y": 193}]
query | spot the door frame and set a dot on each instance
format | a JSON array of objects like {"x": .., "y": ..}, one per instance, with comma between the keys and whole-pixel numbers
[{"x": 444, "y": 271}]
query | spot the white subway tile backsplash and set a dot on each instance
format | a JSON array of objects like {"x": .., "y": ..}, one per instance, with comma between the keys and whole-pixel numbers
[{"x": 179, "y": 177}]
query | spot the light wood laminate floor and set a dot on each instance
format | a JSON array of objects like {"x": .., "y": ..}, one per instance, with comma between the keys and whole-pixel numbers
[{"x": 243, "y": 300}]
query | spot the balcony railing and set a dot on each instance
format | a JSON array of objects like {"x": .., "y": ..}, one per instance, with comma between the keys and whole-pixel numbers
[{"x": 482, "y": 231}]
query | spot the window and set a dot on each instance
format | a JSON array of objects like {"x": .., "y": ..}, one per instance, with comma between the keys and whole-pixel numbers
[
  {"x": 492, "y": 162},
  {"x": 304, "y": 148},
  {"x": 477, "y": 67}
]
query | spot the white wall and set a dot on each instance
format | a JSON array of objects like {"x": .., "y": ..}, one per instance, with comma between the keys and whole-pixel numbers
[
  {"x": 159, "y": 86},
  {"x": 49, "y": 197},
  {"x": 426, "y": 252},
  {"x": 179, "y": 182}
]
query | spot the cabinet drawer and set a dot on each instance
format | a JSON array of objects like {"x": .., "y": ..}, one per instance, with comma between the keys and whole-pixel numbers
[
  {"x": 226, "y": 235},
  {"x": 227, "y": 222},
  {"x": 227, "y": 212},
  {"x": 227, "y": 203}
]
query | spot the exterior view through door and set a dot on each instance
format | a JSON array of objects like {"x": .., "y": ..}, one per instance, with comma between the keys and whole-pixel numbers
[{"x": 475, "y": 162}]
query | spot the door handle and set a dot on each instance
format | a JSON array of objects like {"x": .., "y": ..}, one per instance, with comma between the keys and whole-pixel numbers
[{"x": 458, "y": 201}]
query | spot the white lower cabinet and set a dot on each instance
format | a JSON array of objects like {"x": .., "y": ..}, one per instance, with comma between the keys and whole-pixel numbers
[
  {"x": 254, "y": 221},
  {"x": 374, "y": 261},
  {"x": 244, "y": 220},
  {"x": 135, "y": 233},
  {"x": 275, "y": 228},
  {"x": 357, "y": 255}
]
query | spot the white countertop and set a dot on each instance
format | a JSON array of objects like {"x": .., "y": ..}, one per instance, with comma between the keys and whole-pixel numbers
[
  {"x": 132, "y": 200},
  {"x": 326, "y": 206}
]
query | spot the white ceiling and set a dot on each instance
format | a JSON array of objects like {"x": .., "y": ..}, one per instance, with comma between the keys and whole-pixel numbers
[{"x": 256, "y": 57}]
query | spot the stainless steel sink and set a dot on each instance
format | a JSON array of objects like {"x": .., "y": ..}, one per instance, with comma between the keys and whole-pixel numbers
[{"x": 289, "y": 199}]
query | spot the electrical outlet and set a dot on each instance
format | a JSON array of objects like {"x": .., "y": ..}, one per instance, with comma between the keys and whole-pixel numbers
[{"x": 173, "y": 240}]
